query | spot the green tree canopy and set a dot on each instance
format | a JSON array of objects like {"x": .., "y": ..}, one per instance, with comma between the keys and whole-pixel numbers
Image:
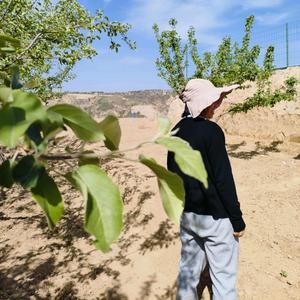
[
  {"x": 231, "y": 63},
  {"x": 55, "y": 35}
]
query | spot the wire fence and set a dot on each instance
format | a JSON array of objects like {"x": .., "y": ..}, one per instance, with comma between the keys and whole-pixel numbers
[{"x": 286, "y": 40}]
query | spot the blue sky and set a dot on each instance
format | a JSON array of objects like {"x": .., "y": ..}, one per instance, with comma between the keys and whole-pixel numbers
[{"x": 213, "y": 19}]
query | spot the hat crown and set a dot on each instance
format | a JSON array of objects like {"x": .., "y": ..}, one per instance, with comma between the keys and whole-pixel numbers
[{"x": 199, "y": 83}]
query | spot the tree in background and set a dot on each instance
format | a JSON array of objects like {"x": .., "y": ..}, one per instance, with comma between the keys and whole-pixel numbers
[
  {"x": 232, "y": 63},
  {"x": 171, "y": 64},
  {"x": 55, "y": 36}
]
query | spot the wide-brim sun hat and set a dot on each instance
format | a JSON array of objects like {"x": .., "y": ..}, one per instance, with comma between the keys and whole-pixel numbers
[{"x": 201, "y": 93}]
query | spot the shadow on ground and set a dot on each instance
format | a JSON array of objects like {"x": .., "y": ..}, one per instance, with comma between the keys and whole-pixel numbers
[
  {"x": 259, "y": 149},
  {"x": 42, "y": 272},
  {"x": 297, "y": 156}
]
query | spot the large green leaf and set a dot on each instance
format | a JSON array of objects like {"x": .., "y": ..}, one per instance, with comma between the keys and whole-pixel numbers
[
  {"x": 103, "y": 204},
  {"x": 163, "y": 127},
  {"x": 52, "y": 123},
  {"x": 189, "y": 160},
  {"x": 171, "y": 188},
  {"x": 27, "y": 172},
  {"x": 18, "y": 116},
  {"x": 49, "y": 198},
  {"x": 80, "y": 122},
  {"x": 12, "y": 125},
  {"x": 112, "y": 131},
  {"x": 31, "y": 104},
  {"x": 6, "y": 178}
]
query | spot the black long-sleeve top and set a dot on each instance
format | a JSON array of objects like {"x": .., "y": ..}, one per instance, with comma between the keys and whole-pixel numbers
[{"x": 220, "y": 198}]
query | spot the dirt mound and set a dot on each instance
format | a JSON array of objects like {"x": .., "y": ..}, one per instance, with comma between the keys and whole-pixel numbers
[{"x": 282, "y": 122}]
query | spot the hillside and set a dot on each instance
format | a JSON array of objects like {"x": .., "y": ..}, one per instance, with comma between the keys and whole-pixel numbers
[{"x": 120, "y": 104}]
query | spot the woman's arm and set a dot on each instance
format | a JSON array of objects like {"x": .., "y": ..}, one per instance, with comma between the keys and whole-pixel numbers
[{"x": 223, "y": 177}]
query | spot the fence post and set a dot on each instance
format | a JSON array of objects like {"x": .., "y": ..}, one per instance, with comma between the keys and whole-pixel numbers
[{"x": 287, "y": 43}]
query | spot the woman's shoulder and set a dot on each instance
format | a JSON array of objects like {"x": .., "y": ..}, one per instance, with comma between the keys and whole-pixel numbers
[
  {"x": 208, "y": 125},
  {"x": 213, "y": 126},
  {"x": 203, "y": 124}
]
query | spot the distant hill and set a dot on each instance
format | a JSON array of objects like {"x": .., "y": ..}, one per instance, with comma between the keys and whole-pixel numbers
[{"x": 100, "y": 103}]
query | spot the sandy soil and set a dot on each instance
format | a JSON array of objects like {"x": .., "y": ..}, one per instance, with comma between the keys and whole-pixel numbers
[{"x": 38, "y": 264}]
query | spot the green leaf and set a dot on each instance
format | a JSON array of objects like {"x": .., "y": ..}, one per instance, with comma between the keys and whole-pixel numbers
[
  {"x": 171, "y": 188},
  {"x": 112, "y": 132},
  {"x": 16, "y": 118},
  {"x": 7, "y": 49},
  {"x": 80, "y": 122},
  {"x": 189, "y": 160},
  {"x": 103, "y": 204},
  {"x": 27, "y": 172},
  {"x": 6, "y": 95},
  {"x": 31, "y": 104},
  {"x": 52, "y": 122},
  {"x": 6, "y": 178},
  {"x": 12, "y": 125},
  {"x": 49, "y": 198},
  {"x": 163, "y": 127}
]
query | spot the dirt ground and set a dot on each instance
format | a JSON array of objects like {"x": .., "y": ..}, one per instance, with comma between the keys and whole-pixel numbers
[{"x": 38, "y": 264}]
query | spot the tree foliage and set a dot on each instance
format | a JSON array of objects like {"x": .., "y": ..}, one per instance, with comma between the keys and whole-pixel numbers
[
  {"x": 29, "y": 129},
  {"x": 266, "y": 98},
  {"x": 55, "y": 35},
  {"x": 171, "y": 63},
  {"x": 232, "y": 63}
]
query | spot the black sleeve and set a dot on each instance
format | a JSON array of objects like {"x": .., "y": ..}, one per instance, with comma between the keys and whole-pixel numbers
[{"x": 223, "y": 177}]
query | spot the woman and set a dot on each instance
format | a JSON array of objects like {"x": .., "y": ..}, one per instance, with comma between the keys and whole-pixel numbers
[{"x": 212, "y": 220}]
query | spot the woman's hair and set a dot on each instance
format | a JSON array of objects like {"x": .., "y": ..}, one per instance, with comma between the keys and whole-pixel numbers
[{"x": 186, "y": 111}]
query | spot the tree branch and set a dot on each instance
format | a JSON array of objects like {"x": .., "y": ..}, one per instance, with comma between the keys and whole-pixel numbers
[
  {"x": 31, "y": 45},
  {"x": 76, "y": 155}
]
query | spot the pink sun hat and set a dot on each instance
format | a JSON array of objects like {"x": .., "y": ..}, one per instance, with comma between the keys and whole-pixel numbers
[{"x": 201, "y": 93}]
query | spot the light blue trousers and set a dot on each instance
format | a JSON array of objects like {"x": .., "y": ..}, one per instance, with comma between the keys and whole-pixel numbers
[{"x": 205, "y": 239}]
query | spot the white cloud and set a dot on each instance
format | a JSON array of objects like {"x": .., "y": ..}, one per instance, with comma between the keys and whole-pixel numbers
[
  {"x": 206, "y": 16},
  {"x": 262, "y": 3},
  {"x": 203, "y": 15},
  {"x": 272, "y": 18}
]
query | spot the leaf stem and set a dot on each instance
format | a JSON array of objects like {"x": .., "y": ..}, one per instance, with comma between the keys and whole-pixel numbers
[{"x": 76, "y": 155}]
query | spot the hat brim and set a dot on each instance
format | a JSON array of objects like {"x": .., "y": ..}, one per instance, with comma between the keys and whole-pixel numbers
[
  {"x": 228, "y": 89},
  {"x": 204, "y": 100}
]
